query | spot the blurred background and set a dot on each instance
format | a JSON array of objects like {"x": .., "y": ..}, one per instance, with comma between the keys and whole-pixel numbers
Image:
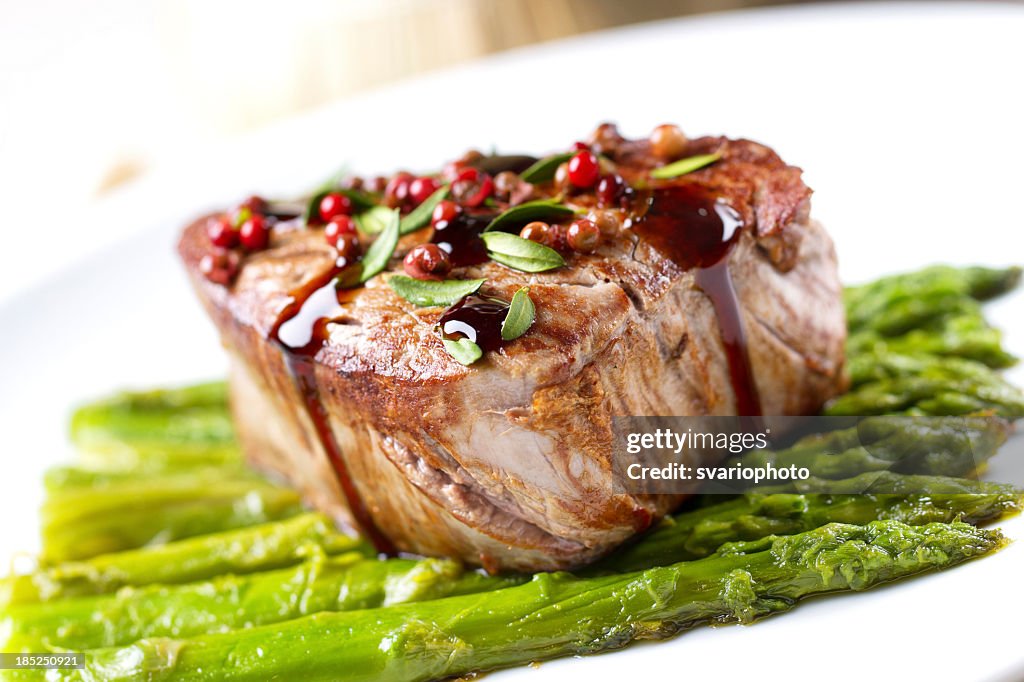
[
  {"x": 98, "y": 97},
  {"x": 96, "y": 94},
  {"x": 114, "y": 85}
]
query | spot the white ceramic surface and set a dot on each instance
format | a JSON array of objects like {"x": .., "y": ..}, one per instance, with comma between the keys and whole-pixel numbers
[{"x": 906, "y": 118}]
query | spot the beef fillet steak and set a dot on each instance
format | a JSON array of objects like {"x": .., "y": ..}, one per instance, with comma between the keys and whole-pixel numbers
[{"x": 710, "y": 292}]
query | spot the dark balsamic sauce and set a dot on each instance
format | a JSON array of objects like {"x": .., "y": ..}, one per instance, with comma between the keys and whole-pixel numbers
[
  {"x": 476, "y": 318},
  {"x": 690, "y": 225},
  {"x": 301, "y": 332},
  {"x": 460, "y": 238}
]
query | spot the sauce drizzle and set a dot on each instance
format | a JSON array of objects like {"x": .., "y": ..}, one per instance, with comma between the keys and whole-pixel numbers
[
  {"x": 690, "y": 225},
  {"x": 477, "y": 318},
  {"x": 460, "y": 238},
  {"x": 301, "y": 331}
]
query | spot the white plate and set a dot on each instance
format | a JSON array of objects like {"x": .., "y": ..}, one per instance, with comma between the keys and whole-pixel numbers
[{"x": 906, "y": 118}]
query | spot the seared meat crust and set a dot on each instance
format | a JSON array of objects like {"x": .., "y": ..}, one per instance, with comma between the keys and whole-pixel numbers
[{"x": 507, "y": 463}]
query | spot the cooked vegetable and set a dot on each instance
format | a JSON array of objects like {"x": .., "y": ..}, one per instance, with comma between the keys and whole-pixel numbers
[
  {"x": 919, "y": 344},
  {"x": 81, "y": 523},
  {"x": 945, "y": 446},
  {"x": 158, "y": 429},
  {"x": 229, "y": 602},
  {"x": 877, "y": 365},
  {"x": 66, "y": 478},
  {"x": 554, "y": 614},
  {"x": 262, "y": 547},
  {"x": 784, "y": 510},
  {"x": 931, "y": 394},
  {"x": 895, "y": 305},
  {"x": 960, "y": 336}
]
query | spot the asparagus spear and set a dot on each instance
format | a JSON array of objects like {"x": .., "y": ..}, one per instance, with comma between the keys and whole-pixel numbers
[
  {"x": 946, "y": 446},
  {"x": 554, "y": 614},
  {"x": 977, "y": 501},
  {"x": 232, "y": 602},
  {"x": 153, "y": 427},
  {"x": 963, "y": 336},
  {"x": 878, "y": 365},
  {"x": 805, "y": 505},
  {"x": 61, "y": 479},
  {"x": 894, "y": 305},
  {"x": 930, "y": 395},
  {"x": 78, "y": 524},
  {"x": 256, "y": 548}
]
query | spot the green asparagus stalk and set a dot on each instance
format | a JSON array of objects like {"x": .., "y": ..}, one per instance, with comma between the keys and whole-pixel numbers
[
  {"x": 977, "y": 501},
  {"x": 61, "y": 479},
  {"x": 233, "y": 602},
  {"x": 153, "y": 428},
  {"x": 246, "y": 550},
  {"x": 554, "y": 614},
  {"x": 878, "y": 365},
  {"x": 894, "y": 305},
  {"x": 944, "y": 446},
  {"x": 805, "y": 505},
  {"x": 965, "y": 336},
  {"x": 78, "y": 524},
  {"x": 930, "y": 395}
]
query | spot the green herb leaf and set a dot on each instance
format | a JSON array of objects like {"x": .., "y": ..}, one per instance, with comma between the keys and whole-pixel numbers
[
  {"x": 425, "y": 292},
  {"x": 520, "y": 316},
  {"x": 420, "y": 216},
  {"x": 360, "y": 202},
  {"x": 373, "y": 220},
  {"x": 684, "y": 166},
  {"x": 517, "y": 216},
  {"x": 463, "y": 350},
  {"x": 243, "y": 214},
  {"x": 521, "y": 254},
  {"x": 544, "y": 170},
  {"x": 381, "y": 250}
]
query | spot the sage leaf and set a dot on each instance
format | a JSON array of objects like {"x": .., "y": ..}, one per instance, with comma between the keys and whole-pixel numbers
[
  {"x": 521, "y": 254},
  {"x": 517, "y": 216},
  {"x": 463, "y": 350},
  {"x": 544, "y": 170},
  {"x": 374, "y": 220},
  {"x": 420, "y": 216},
  {"x": 425, "y": 292},
  {"x": 381, "y": 250},
  {"x": 684, "y": 166},
  {"x": 520, "y": 316}
]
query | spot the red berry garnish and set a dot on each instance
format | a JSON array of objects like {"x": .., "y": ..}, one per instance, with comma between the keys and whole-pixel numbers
[
  {"x": 583, "y": 169},
  {"x": 558, "y": 238},
  {"x": 472, "y": 187},
  {"x": 254, "y": 233},
  {"x": 339, "y": 225},
  {"x": 609, "y": 190},
  {"x": 221, "y": 266},
  {"x": 334, "y": 204},
  {"x": 397, "y": 190},
  {"x": 580, "y": 146},
  {"x": 421, "y": 188},
  {"x": 221, "y": 232},
  {"x": 444, "y": 212},
  {"x": 427, "y": 261},
  {"x": 583, "y": 236},
  {"x": 348, "y": 246}
]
